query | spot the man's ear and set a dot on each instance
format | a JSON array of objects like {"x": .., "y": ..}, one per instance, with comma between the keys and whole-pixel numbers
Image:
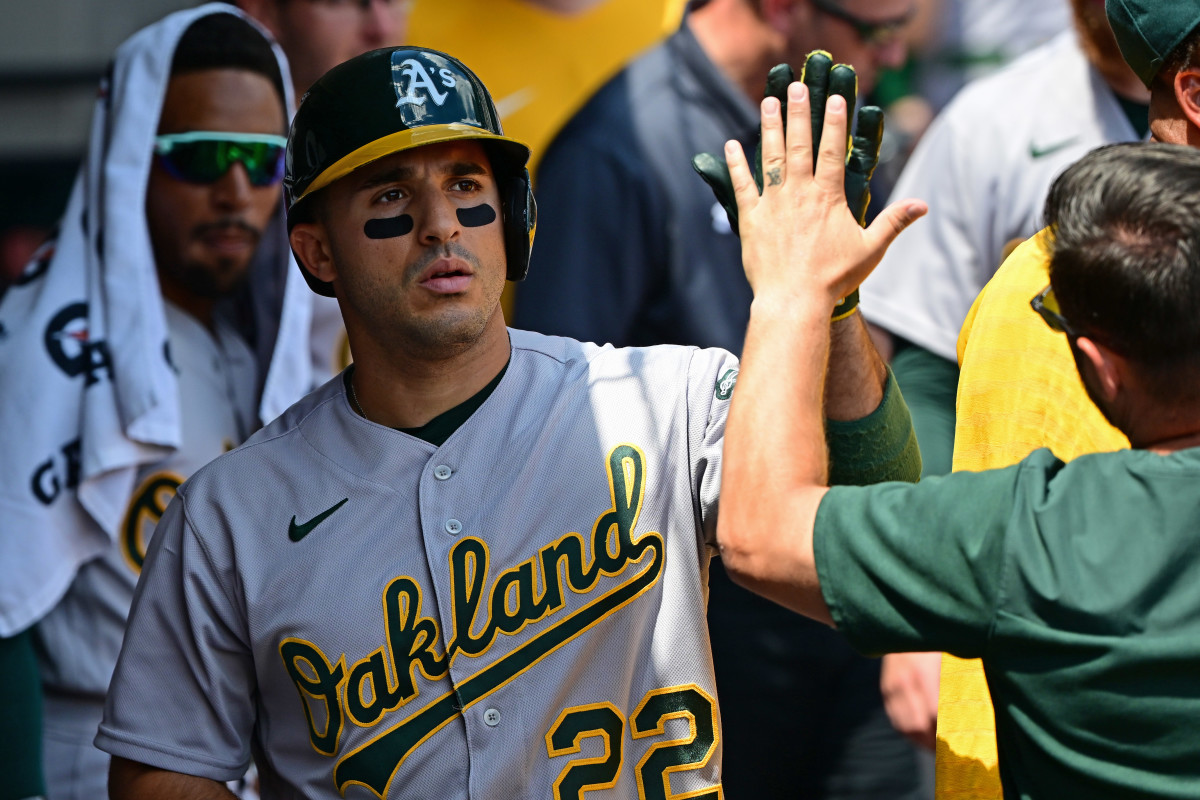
[
  {"x": 1187, "y": 95},
  {"x": 310, "y": 243},
  {"x": 1108, "y": 367}
]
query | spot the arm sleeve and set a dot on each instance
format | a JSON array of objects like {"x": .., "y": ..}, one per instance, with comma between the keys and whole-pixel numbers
[
  {"x": 879, "y": 447},
  {"x": 930, "y": 386},
  {"x": 182, "y": 695},
  {"x": 911, "y": 568},
  {"x": 600, "y": 245}
]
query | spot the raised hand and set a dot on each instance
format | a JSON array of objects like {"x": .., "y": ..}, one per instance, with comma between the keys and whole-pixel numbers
[
  {"x": 800, "y": 239},
  {"x": 823, "y": 79}
]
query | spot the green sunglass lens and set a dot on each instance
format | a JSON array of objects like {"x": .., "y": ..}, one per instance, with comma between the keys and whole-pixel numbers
[{"x": 207, "y": 161}]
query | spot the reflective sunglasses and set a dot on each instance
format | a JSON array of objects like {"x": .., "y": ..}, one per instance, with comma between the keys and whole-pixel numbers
[
  {"x": 871, "y": 33},
  {"x": 204, "y": 156},
  {"x": 1046, "y": 305}
]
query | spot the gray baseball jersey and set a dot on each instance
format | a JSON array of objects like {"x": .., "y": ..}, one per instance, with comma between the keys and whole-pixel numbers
[{"x": 519, "y": 613}]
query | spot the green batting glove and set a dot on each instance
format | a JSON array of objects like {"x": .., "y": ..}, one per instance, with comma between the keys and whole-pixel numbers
[
  {"x": 823, "y": 78},
  {"x": 712, "y": 167}
]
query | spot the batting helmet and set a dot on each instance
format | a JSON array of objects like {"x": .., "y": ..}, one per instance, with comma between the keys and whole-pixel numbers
[{"x": 396, "y": 99}]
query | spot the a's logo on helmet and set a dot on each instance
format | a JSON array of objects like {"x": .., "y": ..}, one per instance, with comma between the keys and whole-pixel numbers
[{"x": 415, "y": 86}]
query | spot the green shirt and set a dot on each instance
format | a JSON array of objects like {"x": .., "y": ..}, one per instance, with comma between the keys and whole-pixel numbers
[{"x": 1079, "y": 587}]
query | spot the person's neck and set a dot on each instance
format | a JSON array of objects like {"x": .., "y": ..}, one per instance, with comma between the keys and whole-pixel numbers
[
  {"x": 1165, "y": 444},
  {"x": 732, "y": 36},
  {"x": 400, "y": 389}
]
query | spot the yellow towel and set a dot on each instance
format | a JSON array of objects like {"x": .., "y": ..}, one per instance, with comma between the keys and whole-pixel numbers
[{"x": 1018, "y": 391}]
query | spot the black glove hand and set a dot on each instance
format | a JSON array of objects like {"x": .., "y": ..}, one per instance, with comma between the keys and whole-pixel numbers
[{"x": 823, "y": 78}]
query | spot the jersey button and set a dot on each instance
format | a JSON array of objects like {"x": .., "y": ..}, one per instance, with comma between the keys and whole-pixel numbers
[
  {"x": 453, "y": 527},
  {"x": 442, "y": 472},
  {"x": 491, "y": 717}
]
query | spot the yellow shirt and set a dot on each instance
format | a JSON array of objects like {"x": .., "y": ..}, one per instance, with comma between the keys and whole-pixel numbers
[{"x": 1018, "y": 390}]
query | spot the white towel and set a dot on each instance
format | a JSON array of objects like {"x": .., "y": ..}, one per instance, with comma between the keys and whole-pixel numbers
[{"x": 86, "y": 393}]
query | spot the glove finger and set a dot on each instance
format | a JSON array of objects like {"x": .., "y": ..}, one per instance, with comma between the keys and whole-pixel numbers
[
  {"x": 862, "y": 160},
  {"x": 868, "y": 136},
  {"x": 778, "y": 79},
  {"x": 816, "y": 77},
  {"x": 843, "y": 80},
  {"x": 715, "y": 172}
]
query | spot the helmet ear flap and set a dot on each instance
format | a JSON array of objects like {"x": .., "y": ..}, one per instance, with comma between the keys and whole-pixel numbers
[{"x": 520, "y": 222}]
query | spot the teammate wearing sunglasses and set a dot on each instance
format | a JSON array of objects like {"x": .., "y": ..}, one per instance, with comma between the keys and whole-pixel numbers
[
  {"x": 149, "y": 338},
  {"x": 651, "y": 258}
]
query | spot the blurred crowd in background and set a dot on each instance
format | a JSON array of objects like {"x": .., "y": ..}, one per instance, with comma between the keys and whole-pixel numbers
[{"x": 55, "y": 52}]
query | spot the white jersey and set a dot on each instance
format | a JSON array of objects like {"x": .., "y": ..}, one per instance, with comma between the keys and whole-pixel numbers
[
  {"x": 984, "y": 167},
  {"x": 974, "y": 38},
  {"x": 519, "y": 613}
]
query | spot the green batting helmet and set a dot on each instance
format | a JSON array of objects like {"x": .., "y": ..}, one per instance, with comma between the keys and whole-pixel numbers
[{"x": 396, "y": 99}]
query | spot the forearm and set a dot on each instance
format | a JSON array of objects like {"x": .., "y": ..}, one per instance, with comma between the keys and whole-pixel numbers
[
  {"x": 857, "y": 374},
  {"x": 129, "y": 780},
  {"x": 775, "y": 451}
]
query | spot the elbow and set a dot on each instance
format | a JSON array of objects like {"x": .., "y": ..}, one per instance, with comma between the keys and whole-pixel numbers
[{"x": 743, "y": 553}]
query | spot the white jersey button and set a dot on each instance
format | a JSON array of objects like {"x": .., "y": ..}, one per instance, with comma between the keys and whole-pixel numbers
[
  {"x": 491, "y": 717},
  {"x": 453, "y": 526},
  {"x": 442, "y": 472}
]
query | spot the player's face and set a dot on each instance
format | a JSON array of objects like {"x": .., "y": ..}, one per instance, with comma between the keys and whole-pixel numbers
[
  {"x": 418, "y": 248},
  {"x": 204, "y": 235},
  {"x": 317, "y": 35},
  {"x": 843, "y": 34}
]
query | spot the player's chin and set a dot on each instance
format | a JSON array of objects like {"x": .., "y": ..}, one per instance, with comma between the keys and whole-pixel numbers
[
  {"x": 215, "y": 277},
  {"x": 452, "y": 328}
]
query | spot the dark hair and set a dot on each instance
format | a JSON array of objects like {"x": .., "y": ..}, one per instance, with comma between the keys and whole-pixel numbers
[
  {"x": 226, "y": 41},
  {"x": 1125, "y": 256}
]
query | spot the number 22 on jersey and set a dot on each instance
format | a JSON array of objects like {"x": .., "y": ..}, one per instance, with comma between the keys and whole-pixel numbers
[{"x": 603, "y": 720}]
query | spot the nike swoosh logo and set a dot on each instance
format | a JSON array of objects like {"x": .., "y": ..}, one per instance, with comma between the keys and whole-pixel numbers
[
  {"x": 298, "y": 532},
  {"x": 1041, "y": 152}
]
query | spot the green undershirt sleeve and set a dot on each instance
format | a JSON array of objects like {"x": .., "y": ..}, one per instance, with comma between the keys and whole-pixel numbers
[{"x": 879, "y": 447}]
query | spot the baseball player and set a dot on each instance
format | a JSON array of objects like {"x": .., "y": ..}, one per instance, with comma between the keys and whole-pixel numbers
[
  {"x": 1076, "y": 583},
  {"x": 150, "y": 337},
  {"x": 473, "y": 564}
]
